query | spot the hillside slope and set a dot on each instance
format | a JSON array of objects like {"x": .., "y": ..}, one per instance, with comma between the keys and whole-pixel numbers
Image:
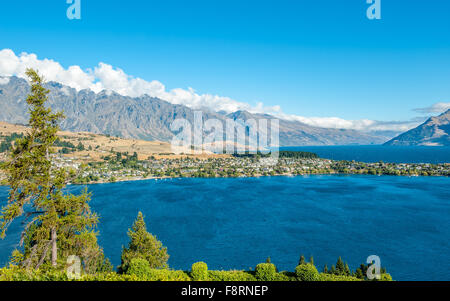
[
  {"x": 95, "y": 146},
  {"x": 434, "y": 132}
]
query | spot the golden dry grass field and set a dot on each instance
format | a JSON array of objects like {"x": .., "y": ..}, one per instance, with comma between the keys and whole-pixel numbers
[{"x": 98, "y": 146}]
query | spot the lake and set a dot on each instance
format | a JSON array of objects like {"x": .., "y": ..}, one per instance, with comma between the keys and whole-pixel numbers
[
  {"x": 237, "y": 223},
  {"x": 376, "y": 153}
]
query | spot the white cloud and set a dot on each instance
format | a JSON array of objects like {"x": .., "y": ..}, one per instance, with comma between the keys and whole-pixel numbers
[
  {"x": 10, "y": 64},
  {"x": 105, "y": 77},
  {"x": 439, "y": 107},
  {"x": 365, "y": 125},
  {"x": 4, "y": 80}
]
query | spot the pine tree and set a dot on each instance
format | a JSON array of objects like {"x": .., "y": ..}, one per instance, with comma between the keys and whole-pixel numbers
[
  {"x": 80, "y": 147},
  {"x": 359, "y": 274},
  {"x": 325, "y": 269},
  {"x": 143, "y": 245},
  {"x": 364, "y": 268},
  {"x": 333, "y": 270},
  {"x": 56, "y": 224},
  {"x": 340, "y": 267},
  {"x": 301, "y": 260},
  {"x": 268, "y": 260},
  {"x": 311, "y": 260},
  {"x": 347, "y": 271}
]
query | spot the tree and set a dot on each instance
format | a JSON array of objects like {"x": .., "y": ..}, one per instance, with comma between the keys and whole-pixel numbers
[
  {"x": 307, "y": 272},
  {"x": 301, "y": 260},
  {"x": 325, "y": 269},
  {"x": 340, "y": 266},
  {"x": 333, "y": 270},
  {"x": 311, "y": 260},
  {"x": 80, "y": 147},
  {"x": 59, "y": 223},
  {"x": 347, "y": 271},
  {"x": 143, "y": 245},
  {"x": 359, "y": 274}
]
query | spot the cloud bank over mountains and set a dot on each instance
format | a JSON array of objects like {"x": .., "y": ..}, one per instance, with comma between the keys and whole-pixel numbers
[
  {"x": 436, "y": 108},
  {"x": 106, "y": 77}
]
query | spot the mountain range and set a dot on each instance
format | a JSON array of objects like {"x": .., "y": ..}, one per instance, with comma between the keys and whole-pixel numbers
[
  {"x": 149, "y": 118},
  {"x": 434, "y": 132}
]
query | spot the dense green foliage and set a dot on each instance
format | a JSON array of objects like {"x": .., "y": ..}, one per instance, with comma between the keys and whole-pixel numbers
[
  {"x": 8, "y": 141},
  {"x": 307, "y": 272},
  {"x": 139, "y": 267},
  {"x": 230, "y": 276},
  {"x": 143, "y": 245},
  {"x": 297, "y": 155},
  {"x": 199, "y": 271},
  {"x": 266, "y": 272},
  {"x": 281, "y": 154},
  {"x": 57, "y": 225},
  {"x": 139, "y": 270}
]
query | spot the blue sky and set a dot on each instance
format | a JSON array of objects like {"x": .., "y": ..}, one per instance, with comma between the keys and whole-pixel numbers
[{"x": 313, "y": 58}]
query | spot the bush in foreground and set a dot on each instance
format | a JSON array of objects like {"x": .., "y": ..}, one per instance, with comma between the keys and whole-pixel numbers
[
  {"x": 140, "y": 270},
  {"x": 307, "y": 272},
  {"x": 266, "y": 272},
  {"x": 199, "y": 271}
]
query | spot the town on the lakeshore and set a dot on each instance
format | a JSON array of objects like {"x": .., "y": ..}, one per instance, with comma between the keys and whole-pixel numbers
[
  {"x": 93, "y": 158},
  {"x": 125, "y": 167}
]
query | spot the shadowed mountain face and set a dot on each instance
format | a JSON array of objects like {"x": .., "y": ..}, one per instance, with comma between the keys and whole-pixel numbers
[
  {"x": 150, "y": 118},
  {"x": 434, "y": 132}
]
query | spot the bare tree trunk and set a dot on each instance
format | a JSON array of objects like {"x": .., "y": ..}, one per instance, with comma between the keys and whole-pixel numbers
[{"x": 54, "y": 248}]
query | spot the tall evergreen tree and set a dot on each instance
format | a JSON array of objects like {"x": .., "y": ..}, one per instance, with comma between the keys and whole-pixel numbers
[
  {"x": 333, "y": 270},
  {"x": 359, "y": 274},
  {"x": 311, "y": 260},
  {"x": 340, "y": 266},
  {"x": 57, "y": 224},
  {"x": 143, "y": 245},
  {"x": 347, "y": 271},
  {"x": 301, "y": 260}
]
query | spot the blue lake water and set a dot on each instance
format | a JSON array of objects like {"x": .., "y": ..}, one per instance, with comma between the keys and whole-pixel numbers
[
  {"x": 376, "y": 153},
  {"x": 237, "y": 223}
]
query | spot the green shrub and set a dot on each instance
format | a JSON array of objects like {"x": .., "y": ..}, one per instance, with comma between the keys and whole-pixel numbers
[
  {"x": 266, "y": 272},
  {"x": 167, "y": 275},
  {"x": 139, "y": 267},
  {"x": 307, "y": 272},
  {"x": 331, "y": 277},
  {"x": 386, "y": 277},
  {"x": 230, "y": 276},
  {"x": 286, "y": 276},
  {"x": 199, "y": 271},
  {"x": 139, "y": 270},
  {"x": 110, "y": 277},
  {"x": 14, "y": 273}
]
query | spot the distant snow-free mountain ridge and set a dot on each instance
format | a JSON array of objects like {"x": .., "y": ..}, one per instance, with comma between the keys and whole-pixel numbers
[{"x": 434, "y": 132}]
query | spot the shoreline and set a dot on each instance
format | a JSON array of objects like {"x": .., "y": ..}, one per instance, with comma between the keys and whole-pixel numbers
[{"x": 255, "y": 177}]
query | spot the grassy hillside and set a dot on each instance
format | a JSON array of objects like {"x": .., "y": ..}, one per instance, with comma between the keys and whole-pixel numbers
[{"x": 89, "y": 147}]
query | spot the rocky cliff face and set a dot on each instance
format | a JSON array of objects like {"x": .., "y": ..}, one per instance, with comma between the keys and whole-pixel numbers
[
  {"x": 434, "y": 132},
  {"x": 149, "y": 118}
]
